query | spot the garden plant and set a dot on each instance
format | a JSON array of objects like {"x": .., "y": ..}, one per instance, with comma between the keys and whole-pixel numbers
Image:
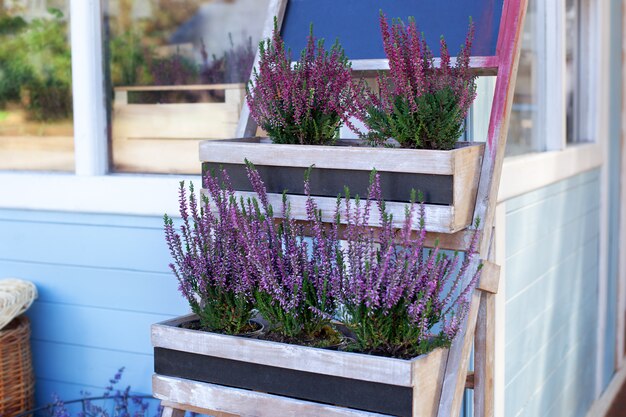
[
  {"x": 420, "y": 105},
  {"x": 307, "y": 102},
  {"x": 397, "y": 297}
]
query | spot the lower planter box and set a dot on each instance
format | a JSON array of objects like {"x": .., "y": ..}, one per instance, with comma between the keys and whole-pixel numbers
[
  {"x": 448, "y": 180},
  {"x": 232, "y": 371}
]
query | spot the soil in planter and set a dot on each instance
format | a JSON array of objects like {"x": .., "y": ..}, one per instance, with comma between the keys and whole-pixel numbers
[
  {"x": 400, "y": 352},
  {"x": 328, "y": 337}
]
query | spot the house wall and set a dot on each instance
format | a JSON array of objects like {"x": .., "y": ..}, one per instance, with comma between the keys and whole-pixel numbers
[
  {"x": 102, "y": 280},
  {"x": 552, "y": 275}
]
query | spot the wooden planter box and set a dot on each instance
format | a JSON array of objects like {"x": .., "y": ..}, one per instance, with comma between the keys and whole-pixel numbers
[
  {"x": 238, "y": 374},
  {"x": 447, "y": 179},
  {"x": 163, "y": 137}
]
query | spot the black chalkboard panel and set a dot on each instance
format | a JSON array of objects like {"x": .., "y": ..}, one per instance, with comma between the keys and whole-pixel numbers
[{"x": 355, "y": 23}]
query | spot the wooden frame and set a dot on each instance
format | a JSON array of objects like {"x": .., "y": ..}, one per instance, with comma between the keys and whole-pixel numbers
[
  {"x": 357, "y": 381},
  {"x": 478, "y": 326},
  {"x": 154, "y": 138}
]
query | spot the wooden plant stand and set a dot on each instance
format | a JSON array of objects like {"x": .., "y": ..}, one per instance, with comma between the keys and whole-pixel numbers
[{"x": 478, "y": 329}]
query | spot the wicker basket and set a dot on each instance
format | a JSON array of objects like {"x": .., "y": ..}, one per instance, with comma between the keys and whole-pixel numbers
[{"x": 17, "y": 383}]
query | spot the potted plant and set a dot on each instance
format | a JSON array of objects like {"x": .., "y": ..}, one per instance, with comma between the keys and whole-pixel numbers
[
  {"x": 414, "y": 120},
  {"x": 401, "y": 305}
]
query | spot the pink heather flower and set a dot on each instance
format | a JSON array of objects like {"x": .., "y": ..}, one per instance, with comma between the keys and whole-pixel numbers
[{"x": 304, "y": 103}]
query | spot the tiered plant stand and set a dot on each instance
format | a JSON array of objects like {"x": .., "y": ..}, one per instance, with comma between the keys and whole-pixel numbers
[{"x": 232, "y": 376}]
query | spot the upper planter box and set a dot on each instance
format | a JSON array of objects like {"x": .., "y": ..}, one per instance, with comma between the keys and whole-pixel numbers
[{"x": 448, "y": 180}]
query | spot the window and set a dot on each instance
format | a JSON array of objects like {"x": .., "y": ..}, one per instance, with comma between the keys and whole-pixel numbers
[
  {"x": 36, "y": 128},
  {"x": 554, "y": 96},
  {"x": 177, "y": 70}
]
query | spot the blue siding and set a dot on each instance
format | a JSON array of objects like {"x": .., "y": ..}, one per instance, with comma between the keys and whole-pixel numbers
[
  {"x": 102, "y": 281},
  {"x": 552, "y": 266}
]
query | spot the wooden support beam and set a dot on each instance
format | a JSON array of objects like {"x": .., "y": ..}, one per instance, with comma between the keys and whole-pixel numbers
[
  {"x": 489, "y": 277},
  {"x": 484, "y": 348}
]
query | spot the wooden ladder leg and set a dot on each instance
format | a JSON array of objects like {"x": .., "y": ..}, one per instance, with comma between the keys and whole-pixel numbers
[
  {"x": 484, "y": 349},
  {"x": 485, "y": 342},
  {"x": 170, "y": 411}
]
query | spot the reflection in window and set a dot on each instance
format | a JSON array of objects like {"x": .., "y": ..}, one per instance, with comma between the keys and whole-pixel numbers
[
  {"x": 578, "y": 128},
  {"x": 36, "y": 131},
  {"x": 523, "y": 123},
  {"x": 178, "y": 70}
]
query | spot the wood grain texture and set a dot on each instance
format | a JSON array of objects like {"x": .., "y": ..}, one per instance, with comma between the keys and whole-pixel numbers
[
  {"x": 197, "y": 410},
  {"x": 243, "y": 403},
  {"x": 438, "y": 218},
  {"x": 459, "y": 161},
  {"x": 484, "y": 346},
  {"x": 489, "y": 277},
  {"x": 164, "y": 137}
]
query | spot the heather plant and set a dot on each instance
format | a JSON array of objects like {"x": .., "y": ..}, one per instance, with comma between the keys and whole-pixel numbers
[
  {"x": 211, "y": 258},
  {"x": 298, "y": 281},
  {"x": 231, "y": 256},
  {"x": 305, "y": 103},
  {"x": 420, "y": 105},
  {"x": 400, "y": 298},
  {"x": 233, "y": 66}
]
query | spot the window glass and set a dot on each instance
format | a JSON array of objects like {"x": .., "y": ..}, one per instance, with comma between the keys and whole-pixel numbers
[
  {"x": 36, "y": 131},
  {"x": 523, "y": 122},
  {"x": 177, "y": 70}
]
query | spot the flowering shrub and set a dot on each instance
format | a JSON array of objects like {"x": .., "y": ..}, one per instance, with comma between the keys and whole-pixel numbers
[
  {"x": 398, "y": 297},
  {"x": 420, "y": 105},
  {"x": 297, "y": 281},
  {"x": 235, "y": 253},
  {"x": 306, "y": 103},
  {"x": 211, "y": 259}
]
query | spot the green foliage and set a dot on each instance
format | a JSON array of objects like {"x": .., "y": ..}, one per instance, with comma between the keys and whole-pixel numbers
[
  {"x": 35, "y": 66},
  {"x": 320, "y": 129},
  {"x": 435, "y": 125},
  {"x": 129, "y": 62},
  {"x": 392, "y": 332}
]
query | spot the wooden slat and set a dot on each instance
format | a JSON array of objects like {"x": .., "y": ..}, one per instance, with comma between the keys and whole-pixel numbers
[
  {"x": 342, "y": 364},
  {"x": 190, "y": 87},
  {"x": 50, "y": 153},
  {"x": 198, "y": 410},
  {"x": 458, "y": 241},
  {"x": 242, "y": 402},
  {"x": 344, "y": 157},
  {"x": 438, "y": 218},
  {"x": 484, "y": 348},
  {"x": 481, "y": 65},
  {"x": 489, "y": 277},
  {"x": 428, "y": 376}
]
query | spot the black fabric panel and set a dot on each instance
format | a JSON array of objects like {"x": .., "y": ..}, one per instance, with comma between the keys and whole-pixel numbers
[{"x": 395, "y": 186}]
